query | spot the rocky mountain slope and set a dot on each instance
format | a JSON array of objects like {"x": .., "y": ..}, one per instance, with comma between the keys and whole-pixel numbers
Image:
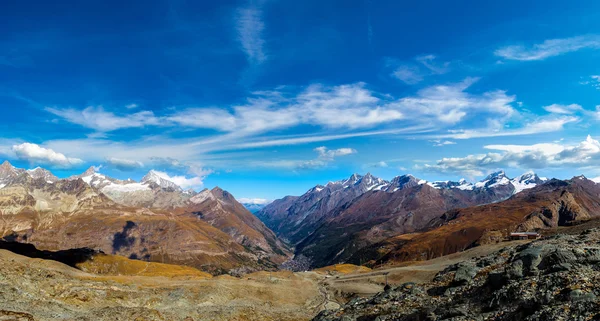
[
  {"x": 216, "y": 235},
  {"x": 555, "y": 203},
  {"x": 294, "y": 218},
  {"x": 330, "y": 223},
  {"x": 551, "y": 279},
  {"x": 109, "y": 287}
]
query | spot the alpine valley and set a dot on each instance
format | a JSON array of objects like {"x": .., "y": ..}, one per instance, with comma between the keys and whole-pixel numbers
[{"x": 123, "y": 238}]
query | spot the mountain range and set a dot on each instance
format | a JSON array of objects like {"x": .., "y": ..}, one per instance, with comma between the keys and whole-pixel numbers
[
  {"x": 360, "y": 219},
  {"x": 331, "y": 223},
  {"x": 153, "y": 220}
]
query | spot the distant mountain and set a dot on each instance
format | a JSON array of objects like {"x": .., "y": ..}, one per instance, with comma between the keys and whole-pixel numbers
[
  {"x": 330, "y": 223},
  {"x": 296, "y": 218},
  {"x": 254, "y": 204},
  {"x": 551, "y": 204},
  {"x": 152, "y": 220}
]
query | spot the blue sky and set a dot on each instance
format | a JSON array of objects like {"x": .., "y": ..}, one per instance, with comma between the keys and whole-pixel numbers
[{"x": 268, "y": 98}]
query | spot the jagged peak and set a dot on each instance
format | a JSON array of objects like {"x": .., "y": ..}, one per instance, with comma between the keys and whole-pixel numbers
[
  {"x": 354, "y": 177},
  {"x": 90, "y": 171},
  {"x": 6, "y": 165},
  {"x": 496, "y": 174}
]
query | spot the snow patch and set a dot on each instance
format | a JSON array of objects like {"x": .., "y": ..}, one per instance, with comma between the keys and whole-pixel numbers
[{"x": 125, "y": 188}]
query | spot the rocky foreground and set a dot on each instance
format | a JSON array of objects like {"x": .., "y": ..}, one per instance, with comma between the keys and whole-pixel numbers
[
  {"x": 115, "y": 288},
  {"x": 556, "y": 278}
]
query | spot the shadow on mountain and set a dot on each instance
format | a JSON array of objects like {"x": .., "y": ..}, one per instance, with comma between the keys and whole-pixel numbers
[
  {"x": 122, "y": 239},
  {"x": 70, "y": 257}
]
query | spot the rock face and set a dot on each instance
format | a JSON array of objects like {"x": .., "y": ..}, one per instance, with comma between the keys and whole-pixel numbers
[
  {"x": 152, "y": 221},
  {"x": 551, "y": 279},
  {"x": 224, "y": 212}
]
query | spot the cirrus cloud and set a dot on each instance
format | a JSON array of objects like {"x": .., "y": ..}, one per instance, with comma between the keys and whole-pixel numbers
[{"x": 548, "y": 48}]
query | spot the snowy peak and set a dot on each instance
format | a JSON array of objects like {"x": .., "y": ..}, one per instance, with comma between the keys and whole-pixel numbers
[
  {"x": 40, "y": 173},
  {"x": 351, "y": 180},
  {"x": 161, "y": 180},
  {"x": 461, "y": 184},
  {"x": 401, "y": 182},
  {"x": 316, "y": 189},
  {"x": 494, "y": 179},
  {"x": 370, "y": 182},
  {"x": 204, "y": 195}
]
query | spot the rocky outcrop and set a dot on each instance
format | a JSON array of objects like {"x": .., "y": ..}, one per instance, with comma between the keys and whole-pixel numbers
[{"x": 550, "y": 279}]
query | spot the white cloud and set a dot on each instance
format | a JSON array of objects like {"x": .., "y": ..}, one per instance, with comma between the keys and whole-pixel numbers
[
  {"x": 541, "y": 125},
  {"x": 563, "y": 109},
  {"x": 37, "y": 154},
  {"x": 326, "y": 154},
  {"x": 439, "y": 143},
  {"x": 324, "y": 157},
  {"x": 413, "y": 73},
  {"x": 124, "y": 164},
  {"x": 344, "y": 107},
  {"x": 594, "y": 81},
  {"x": 132, "y": 106},
  {"x": 548, "y": 48},
  {"x": 429, "y": 62},
  {"x": 98, "y": 119},
  {"x": 409, "y": 74},
  {"x": 183, "y": 181},
  {"x": 547, "y": 155},
  {"x": 256, "y": 201},
  {"x": 380, "y": 164},
  {"x": 250, "y": 28}
]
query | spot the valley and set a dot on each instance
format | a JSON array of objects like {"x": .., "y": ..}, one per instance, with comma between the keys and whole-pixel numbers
[{"x": 99, "y": 247}]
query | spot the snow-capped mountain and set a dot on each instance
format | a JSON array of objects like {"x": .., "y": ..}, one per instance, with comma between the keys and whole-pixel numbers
[
  {"x": 161, "y": 180},
  {"x": 40, "y": 173},
  {"x": 8, "y": 172},
  {"x": 526, "y": 181},
  {"x": 296, "y": 217},
  {"x": 494, "y": 179},
  {"x": 155, "y": 190},
  {"x": 400, "y": 182}
]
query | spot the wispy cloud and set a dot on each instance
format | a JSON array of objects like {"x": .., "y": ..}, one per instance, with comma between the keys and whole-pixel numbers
[
  {"x": 124, "y": 164},
  {"x": 563, "y": 109},
  {"x": 441, "y": 112},
  {"x": 183, "y": 181},
  {"x": 36, "y": 154},
  {"x": 324, "y": 157},
  {"x": 548, "y": 155},
  {"x": 439, "y": 143},
  {"x": 98, "y": 119},
  {"x": 548, "y": 48},
  {"x": 414, "y": 72},
  {"x": 541, "y": 125},
  {"x": 593, "y": 81},
  {"x": 408, "y": 74},
  {"x": 250, "y": 28}
]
